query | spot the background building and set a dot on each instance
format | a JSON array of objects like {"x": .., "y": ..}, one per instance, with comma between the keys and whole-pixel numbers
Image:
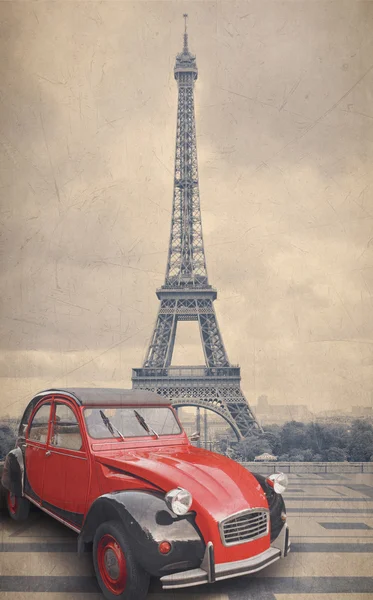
[{"x": 269, "y": 414}]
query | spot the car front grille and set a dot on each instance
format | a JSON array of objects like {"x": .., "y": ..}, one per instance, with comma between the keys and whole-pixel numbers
[{"x": 244, "y": 527}]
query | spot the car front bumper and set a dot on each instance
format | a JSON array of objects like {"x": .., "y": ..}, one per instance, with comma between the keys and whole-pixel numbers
[{"x": 210, "y": 572}]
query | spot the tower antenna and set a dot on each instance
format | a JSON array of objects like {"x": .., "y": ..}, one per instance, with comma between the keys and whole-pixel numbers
[{"x": 185, "y": 15}]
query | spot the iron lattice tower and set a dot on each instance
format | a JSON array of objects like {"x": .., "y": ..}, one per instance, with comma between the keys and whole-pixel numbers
[{"x": 186, "y": 294}]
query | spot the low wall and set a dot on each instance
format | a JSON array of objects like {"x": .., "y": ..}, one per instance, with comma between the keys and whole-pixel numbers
[
  {"x": 309, "y": 467},
  {"x": 300, "y": 467}
]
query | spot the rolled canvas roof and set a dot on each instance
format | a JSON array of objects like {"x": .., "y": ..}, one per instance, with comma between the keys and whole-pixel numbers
[{"x": 106, "y": 396}]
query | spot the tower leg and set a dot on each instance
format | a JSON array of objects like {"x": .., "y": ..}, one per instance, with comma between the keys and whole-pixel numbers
[
  {"x": 162, "y": 343},
  {"x": 212, "y": 342}
]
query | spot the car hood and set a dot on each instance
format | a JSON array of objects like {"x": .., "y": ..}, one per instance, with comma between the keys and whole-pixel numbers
[{"x": 218, "y": 484}]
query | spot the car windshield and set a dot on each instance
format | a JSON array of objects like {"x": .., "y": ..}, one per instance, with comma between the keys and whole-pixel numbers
[{"x": 101, "y": 421}]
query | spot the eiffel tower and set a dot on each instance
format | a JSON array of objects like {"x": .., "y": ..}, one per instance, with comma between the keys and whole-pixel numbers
[{"x": 186, "y": 294}]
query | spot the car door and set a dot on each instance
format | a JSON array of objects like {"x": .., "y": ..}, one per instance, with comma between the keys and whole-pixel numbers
[
  {"x": 36, "y": 446},
  {"x": 67, "y": 468}
]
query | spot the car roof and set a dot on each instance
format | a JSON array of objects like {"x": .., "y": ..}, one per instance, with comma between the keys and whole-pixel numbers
[
  {"x": 108, "y": 396},
  {"x": 97, "y": 397}
]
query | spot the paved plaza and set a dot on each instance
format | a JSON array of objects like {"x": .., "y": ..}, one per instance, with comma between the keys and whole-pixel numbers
[{"x": 331, "y": 524}]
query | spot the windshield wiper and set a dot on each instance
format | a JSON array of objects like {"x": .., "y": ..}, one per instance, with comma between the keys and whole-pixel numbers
[
  {"x": 110, "y": 426},
  {"x": 144, "y": 424}
]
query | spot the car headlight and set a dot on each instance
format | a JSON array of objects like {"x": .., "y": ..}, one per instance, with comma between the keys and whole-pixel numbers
[
  {"x": 179, "y": 501},
  {"x": 279, "y": 482}
]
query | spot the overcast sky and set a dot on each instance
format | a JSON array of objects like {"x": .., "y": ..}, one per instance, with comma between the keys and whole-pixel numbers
[{"x": 285, "y": 145}]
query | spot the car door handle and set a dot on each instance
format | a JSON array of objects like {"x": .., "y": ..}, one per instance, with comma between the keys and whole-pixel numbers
[{"x": 48, "y": 453}]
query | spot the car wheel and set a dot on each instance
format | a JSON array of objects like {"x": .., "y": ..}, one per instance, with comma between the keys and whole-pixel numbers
[
  {"x": 18, "y": 507},
  {"x": 118, "y": 573}
]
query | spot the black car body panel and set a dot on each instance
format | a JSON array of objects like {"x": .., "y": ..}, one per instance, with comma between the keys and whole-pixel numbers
[
  {"x": 276, "y": 506},
  {"x": 148, "y": 522},
  {"x": 13, "y": 472}
]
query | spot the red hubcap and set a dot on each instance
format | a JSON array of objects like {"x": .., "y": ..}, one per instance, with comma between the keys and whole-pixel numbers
[
  {"x": 112, "y": 564},
  {"x": 12, "y": 503}
]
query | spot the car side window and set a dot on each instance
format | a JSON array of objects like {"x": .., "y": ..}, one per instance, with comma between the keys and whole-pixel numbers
[
  {"x": 39, "y": 426},
  {"x": 66, "y": 431}
]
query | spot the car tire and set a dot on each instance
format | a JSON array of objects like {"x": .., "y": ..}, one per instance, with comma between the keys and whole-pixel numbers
[
  {"x": 18, "y": 507},
  {"x": 118, "y": 573}
]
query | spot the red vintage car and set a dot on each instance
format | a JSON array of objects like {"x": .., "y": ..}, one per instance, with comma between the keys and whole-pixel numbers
[{"x": 117, "y": 468}]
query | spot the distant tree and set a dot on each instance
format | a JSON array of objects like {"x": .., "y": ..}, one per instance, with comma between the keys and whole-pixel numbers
[
  {"x": 294, "y": 436},
  {"x": 336, "y": 436},
  {"x": 273, "y": 435},
  {"x": 272, "y": 428},
  {"x": 317, "y": 458},
  {"x": 360, "y": 447},
  {"x": 7, "y": 437},
  {"x": 222, "y": 445},
  {"x": 336, "y": 454},
  {"x": 311, "y": 442},
  {"x": 251, "y": 447},
  {"x": 283, "y": 458},
  {"x": 308, "y": 455},
  {"x": 296, "y": 455},
  {"x": 315, "y": 438},
  {"x": 299, "y": 457}
]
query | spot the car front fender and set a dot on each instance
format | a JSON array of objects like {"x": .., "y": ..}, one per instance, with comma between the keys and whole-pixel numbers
[{"x": 148, "y": 521}]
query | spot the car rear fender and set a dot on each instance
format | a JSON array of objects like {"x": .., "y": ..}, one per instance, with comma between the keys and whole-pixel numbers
[
  {"x": 13, "y": 472},
  {"x": 147, "y": 522}
]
